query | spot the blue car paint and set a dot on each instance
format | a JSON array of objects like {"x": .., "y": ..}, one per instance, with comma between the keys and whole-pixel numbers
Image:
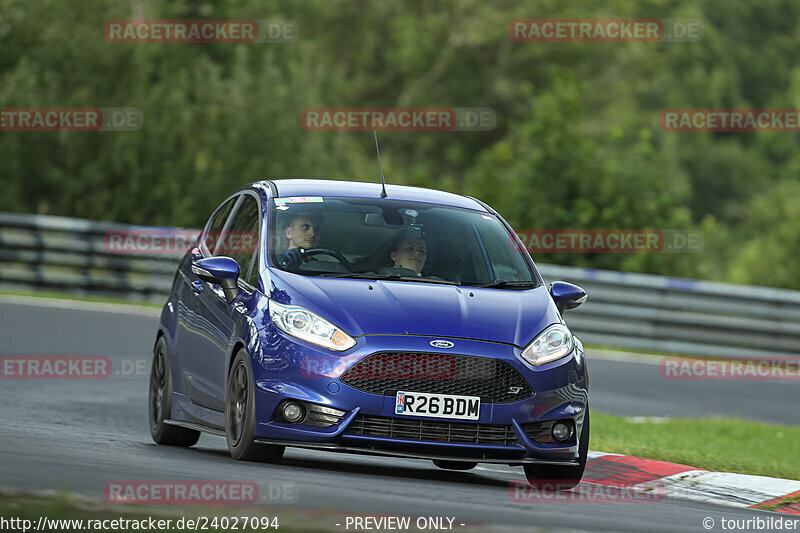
[
  {"x": 204, "y": 333},
  {"x": 220, "y": 267}
]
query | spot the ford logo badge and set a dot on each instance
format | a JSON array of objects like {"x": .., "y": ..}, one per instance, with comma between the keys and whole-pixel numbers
[{"x": 442, "y": 344}]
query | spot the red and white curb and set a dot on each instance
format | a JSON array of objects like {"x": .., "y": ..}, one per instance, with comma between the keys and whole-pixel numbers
[{"x": 690, "y": 483}]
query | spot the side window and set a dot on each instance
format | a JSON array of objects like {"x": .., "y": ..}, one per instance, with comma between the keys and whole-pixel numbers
[
  {"x": 215, "y": 225},
  {"x": 240, "y": 240}
]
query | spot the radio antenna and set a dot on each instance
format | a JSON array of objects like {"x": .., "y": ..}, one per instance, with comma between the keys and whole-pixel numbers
[{"x": 383, "y": 182}]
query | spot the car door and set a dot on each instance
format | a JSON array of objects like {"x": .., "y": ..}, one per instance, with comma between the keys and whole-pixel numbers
[
  {"x": 198, "y": 332},
  {"x": 238, "y": 241}
]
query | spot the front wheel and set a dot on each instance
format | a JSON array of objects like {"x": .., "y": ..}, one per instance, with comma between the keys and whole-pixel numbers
[
  {"x": 240, "y": 416},
  {"x": 159, "y": 403},
  {"x": 566, "y": 477}
]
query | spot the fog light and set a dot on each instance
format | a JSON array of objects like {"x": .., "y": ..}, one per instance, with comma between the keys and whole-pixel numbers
[
  {"x": 293, "y": 412},
  {"x": 562, "y": 431}
]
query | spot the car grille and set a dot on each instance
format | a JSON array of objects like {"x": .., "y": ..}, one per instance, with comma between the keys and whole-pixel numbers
[
  {"x": 539, "y": 431},
  {"x": 493, "y": 380},
  {"x": 426, "y": 430}
]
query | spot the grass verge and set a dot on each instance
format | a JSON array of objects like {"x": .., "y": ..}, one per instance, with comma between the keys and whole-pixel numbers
[
  {"x": 723, "y": 444},
  {"x": 601, "y": 347},
  {"x": 79, "y": 297}
]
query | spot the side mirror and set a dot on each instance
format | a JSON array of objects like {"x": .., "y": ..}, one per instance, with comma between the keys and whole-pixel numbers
[
  {"x": 566, "y": 295},
  {"x": 223, "y": 271}
]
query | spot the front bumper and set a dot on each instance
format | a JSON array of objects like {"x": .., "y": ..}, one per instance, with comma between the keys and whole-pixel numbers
[{"x": 505, "y": 432}]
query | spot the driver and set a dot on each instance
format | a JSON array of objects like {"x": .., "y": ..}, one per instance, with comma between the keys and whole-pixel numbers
[{"x": 303, "y": 231}]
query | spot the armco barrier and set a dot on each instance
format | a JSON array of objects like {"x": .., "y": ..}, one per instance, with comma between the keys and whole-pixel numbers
[
  {"x": 626, "y": 310},
  {"x": 67, "y": 254}
]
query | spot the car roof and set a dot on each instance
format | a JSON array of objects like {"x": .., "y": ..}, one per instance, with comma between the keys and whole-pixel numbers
[{"x": 360, "y": 189}]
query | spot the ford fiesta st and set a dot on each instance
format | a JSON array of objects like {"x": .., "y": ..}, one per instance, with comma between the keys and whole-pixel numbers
[{"x": 395, "y": 321}]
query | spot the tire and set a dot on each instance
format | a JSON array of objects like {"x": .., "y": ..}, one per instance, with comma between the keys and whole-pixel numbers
[
  {"x": 159, "y": 403},
  {"x": 454, "y": 465},
  {"x": 240, "y": 416},
  {"x": 566, "y": 476}
]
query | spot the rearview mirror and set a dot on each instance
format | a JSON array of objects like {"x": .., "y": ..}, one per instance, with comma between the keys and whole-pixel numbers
[
  {"x": 223, "y": 271},
  {"x": 566, "y": 295}
]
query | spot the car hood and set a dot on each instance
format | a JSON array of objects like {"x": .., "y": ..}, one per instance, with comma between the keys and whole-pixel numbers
[{"x": 363, "y": 307}]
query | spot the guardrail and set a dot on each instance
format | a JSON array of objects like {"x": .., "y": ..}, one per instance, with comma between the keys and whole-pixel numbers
[
  {"x": 625, "y": 310},
  {"x": 39, "y": 252}
]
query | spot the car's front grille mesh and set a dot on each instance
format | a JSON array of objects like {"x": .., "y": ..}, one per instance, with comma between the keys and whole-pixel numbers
[
  {"x": 539, "y": 431},
  {"x": 427, "y": 430},
  {"x": 385, "y": 373}
]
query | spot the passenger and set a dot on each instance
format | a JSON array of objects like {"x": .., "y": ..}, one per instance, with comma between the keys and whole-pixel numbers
[{"x": 408, "y": 257}]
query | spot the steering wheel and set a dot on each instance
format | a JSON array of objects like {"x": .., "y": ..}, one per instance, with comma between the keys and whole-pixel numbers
[{"x": 333, "y": 253}]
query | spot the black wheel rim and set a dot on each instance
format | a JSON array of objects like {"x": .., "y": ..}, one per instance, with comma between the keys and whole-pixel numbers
[
  {"x": 158, "y": 384},
  {"x": 237, "y": 404}
]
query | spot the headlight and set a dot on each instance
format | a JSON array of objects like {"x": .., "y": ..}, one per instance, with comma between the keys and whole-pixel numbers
[
  {"x": 303, "y": 324},
  {"x": 553, "y": 343}
]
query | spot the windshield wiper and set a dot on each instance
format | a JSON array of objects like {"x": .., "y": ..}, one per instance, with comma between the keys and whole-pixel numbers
[
  {"x": 357, "y": 275},
  {"x": 501, "y": 283},
  {"x": 393, "y": 277},
  {"x": 427, "y": 280}
]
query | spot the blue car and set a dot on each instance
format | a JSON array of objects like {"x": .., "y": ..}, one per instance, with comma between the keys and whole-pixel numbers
[{"x": 394, "y": 321}]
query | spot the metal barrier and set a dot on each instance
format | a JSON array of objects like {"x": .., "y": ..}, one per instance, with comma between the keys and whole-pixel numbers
[
  {"x": 40, "y": 252},
  {"x": 624, "y": 310}
]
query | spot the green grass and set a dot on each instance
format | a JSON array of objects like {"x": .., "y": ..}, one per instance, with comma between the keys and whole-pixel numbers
[
  {"x": 723, "y": 444},
  {"x": 79, "y": 297},
  {"x": 652, "y": 353},
  {"x": 589, "y": 347}
]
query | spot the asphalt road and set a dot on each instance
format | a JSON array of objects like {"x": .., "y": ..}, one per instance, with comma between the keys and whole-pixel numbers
[
  {"x": 81, "y": 434},
  {"x": 633, "y": 386}
]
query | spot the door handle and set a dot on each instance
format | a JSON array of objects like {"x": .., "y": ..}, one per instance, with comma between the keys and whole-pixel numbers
[{"x": 197, "y": 287}]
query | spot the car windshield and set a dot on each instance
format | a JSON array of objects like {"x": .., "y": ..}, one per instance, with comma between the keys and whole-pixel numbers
[{"x": 391, "y": 239}]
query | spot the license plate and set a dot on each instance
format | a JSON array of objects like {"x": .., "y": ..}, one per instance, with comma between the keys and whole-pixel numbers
[{"x": 437, "y": 405}]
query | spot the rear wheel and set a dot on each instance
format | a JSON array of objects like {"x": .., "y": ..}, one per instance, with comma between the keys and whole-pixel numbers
[
  {"x": 240, "y": 416},
  {"x": 159, "y": 401},
  {"x": 566, "y": 477},
  {"x": 455, "y": 465}
]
